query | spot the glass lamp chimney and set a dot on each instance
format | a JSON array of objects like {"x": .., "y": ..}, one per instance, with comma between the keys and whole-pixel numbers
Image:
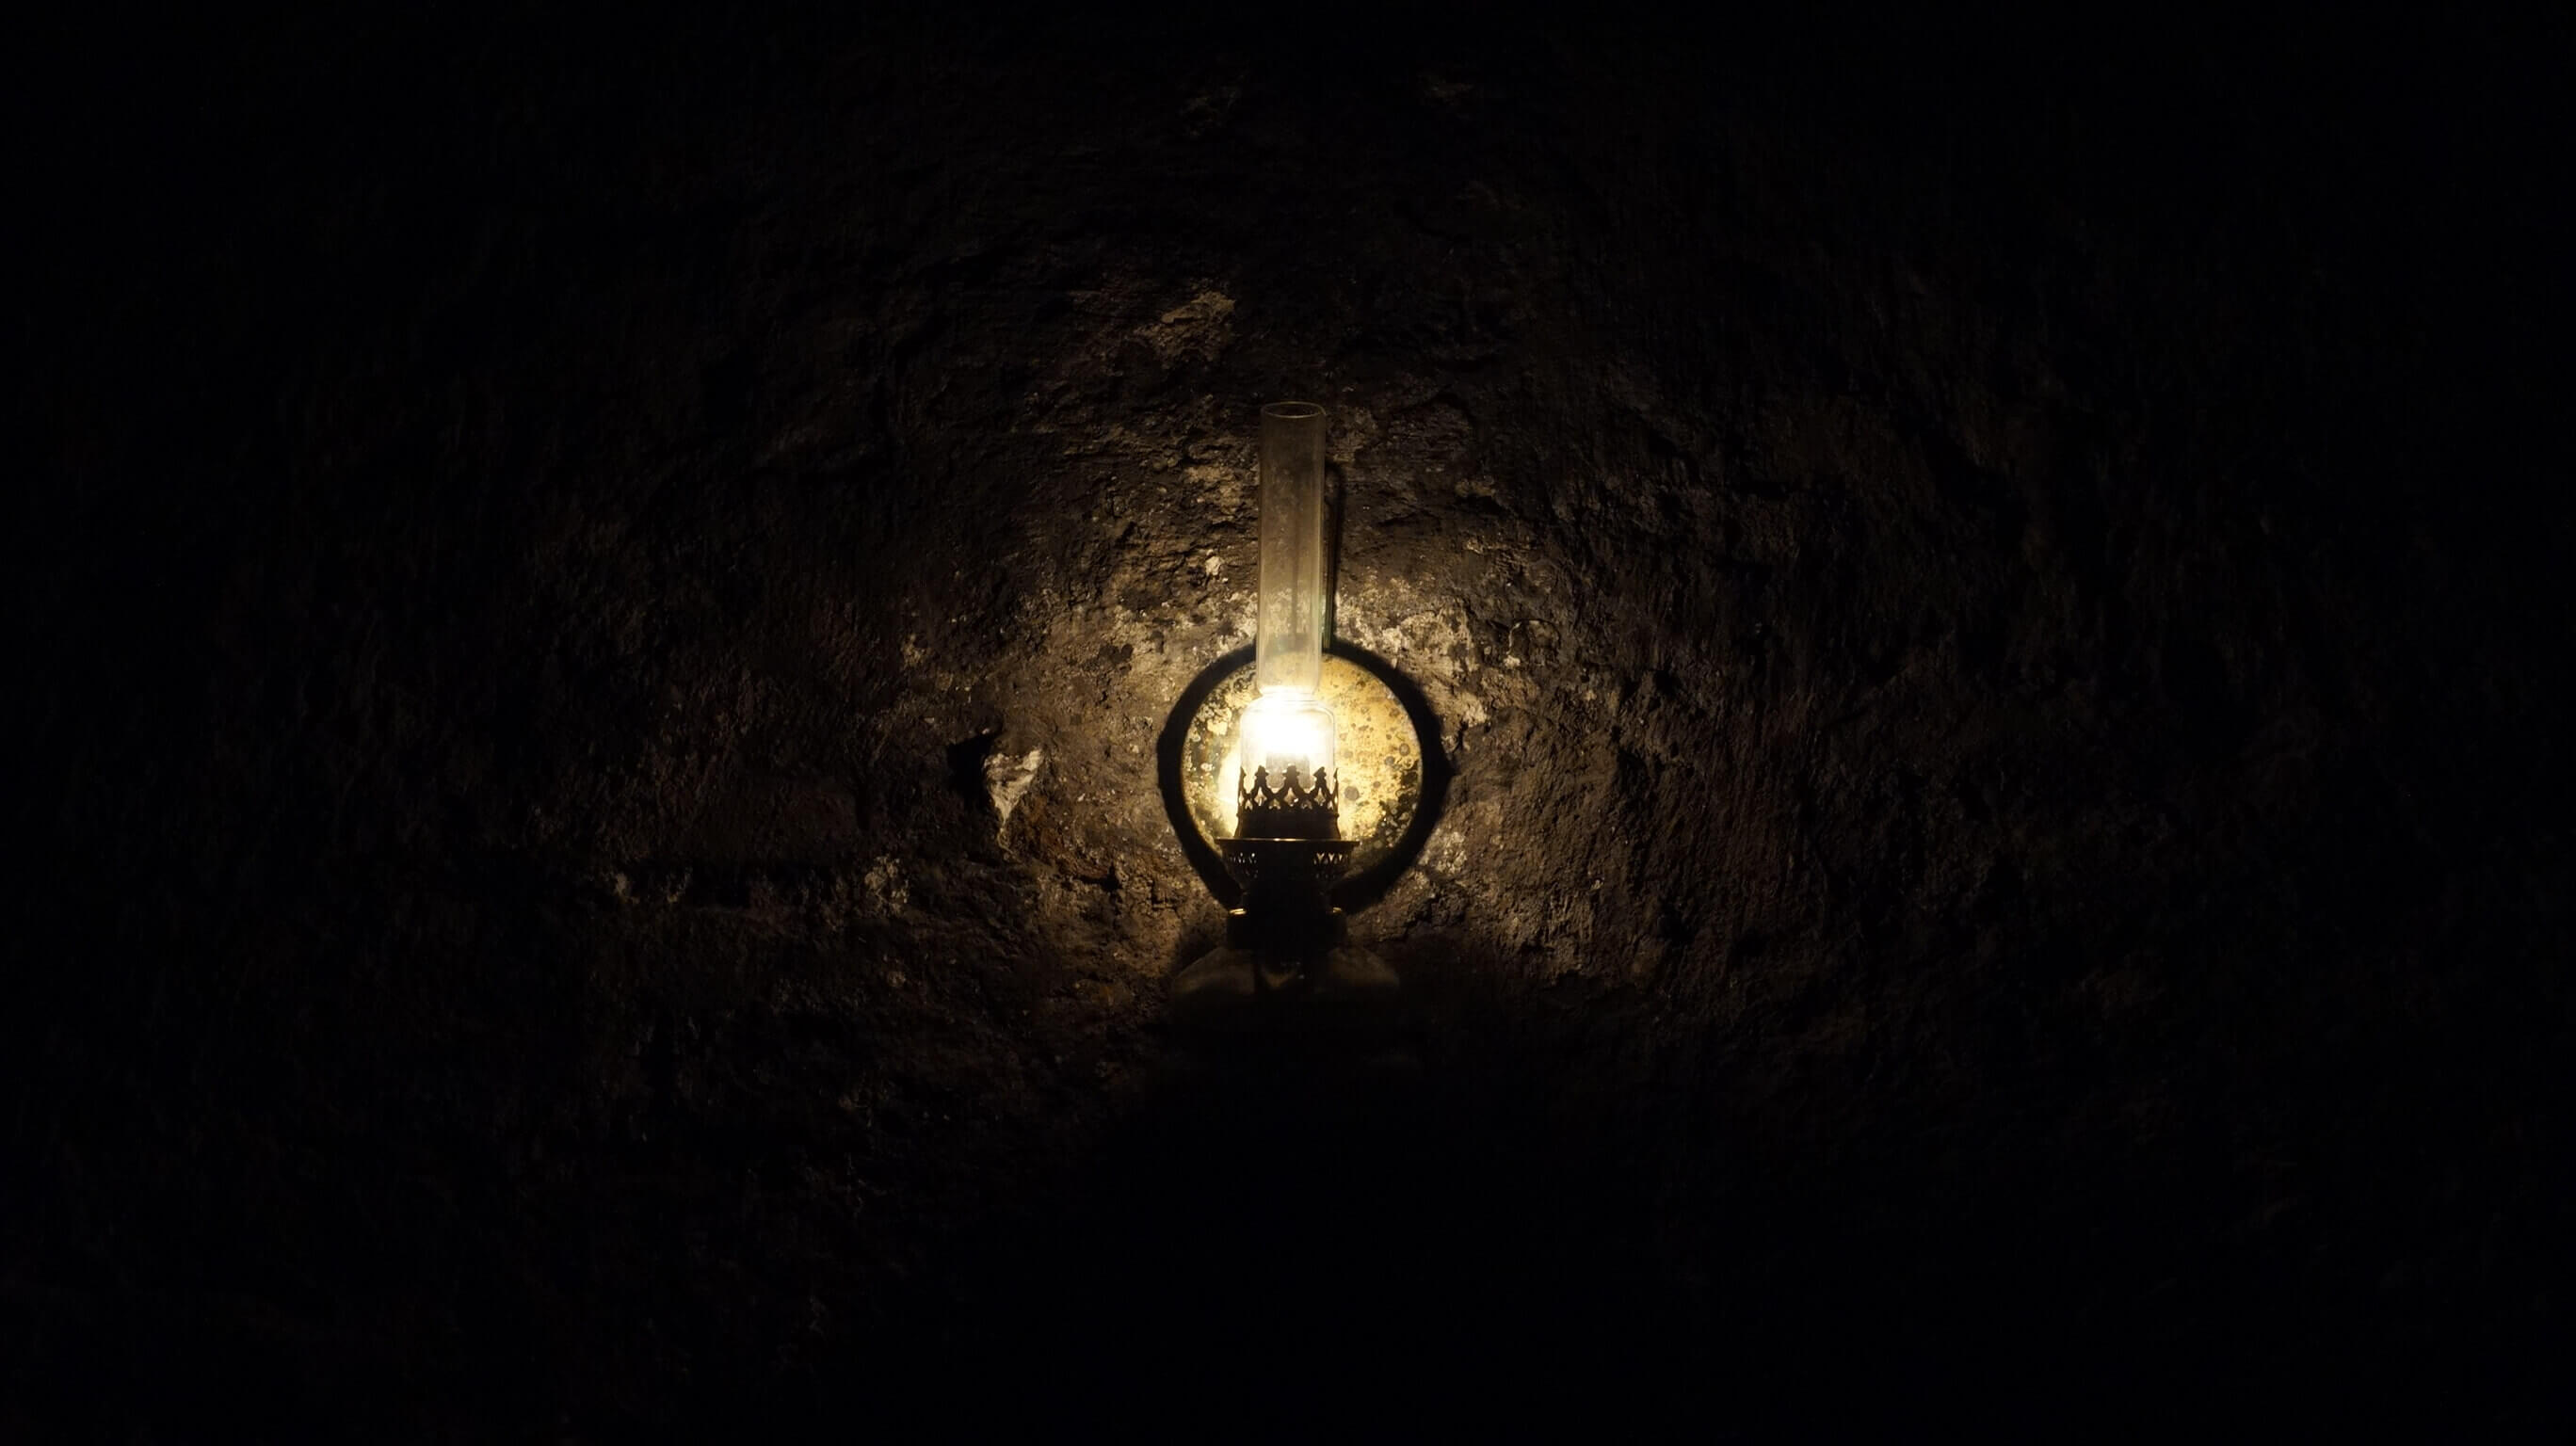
[
  {"x": 1288, "y": 778},
  {"x": 1290, "y": 651}
]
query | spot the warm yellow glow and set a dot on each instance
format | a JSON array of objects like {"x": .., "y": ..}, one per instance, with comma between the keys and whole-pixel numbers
[
  {"x": 1377, "y": 761},
  {"x": 1287, "y": 732}
]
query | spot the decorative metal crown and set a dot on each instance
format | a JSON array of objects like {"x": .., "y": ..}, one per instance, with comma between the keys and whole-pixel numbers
[
  {"x": 1287, "y": 809},
  {"x": 1257, "y": 791}
]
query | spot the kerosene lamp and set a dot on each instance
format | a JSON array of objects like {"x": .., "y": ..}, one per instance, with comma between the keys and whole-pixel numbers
[{"x": 1285, "y": 953}]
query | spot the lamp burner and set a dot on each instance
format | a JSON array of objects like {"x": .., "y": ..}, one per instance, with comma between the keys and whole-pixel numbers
[{"x": 1287, "y": 809}]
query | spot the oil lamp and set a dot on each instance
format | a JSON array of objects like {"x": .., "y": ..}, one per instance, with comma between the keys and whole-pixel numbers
[
  {"x": 1285, "y": 940},
  {"x": 1287, "y": 845}
]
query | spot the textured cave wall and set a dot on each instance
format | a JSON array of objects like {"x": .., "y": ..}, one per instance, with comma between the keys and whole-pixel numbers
[{"x": 599, "y": 606}]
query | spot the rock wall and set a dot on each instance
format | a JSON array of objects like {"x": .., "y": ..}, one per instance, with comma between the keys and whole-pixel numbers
[{"x": 597, "y": 605}]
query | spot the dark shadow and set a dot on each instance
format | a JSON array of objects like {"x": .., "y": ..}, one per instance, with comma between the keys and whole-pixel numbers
[
  {"x": 1361, "y": 889},
  {"x": 1335, "y": 486},
  {"x": 1369, "y": 885},
  {"x": 1168, "y": 746}
]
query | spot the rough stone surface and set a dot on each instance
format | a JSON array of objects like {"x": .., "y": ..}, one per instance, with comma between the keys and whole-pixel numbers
[{"x": 593, "y": 604}]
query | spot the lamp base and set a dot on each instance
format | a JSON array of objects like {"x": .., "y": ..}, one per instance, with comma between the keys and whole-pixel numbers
[
  {"x": 1334, "y": 994},
  {"x": 1287, "y": 967}
]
